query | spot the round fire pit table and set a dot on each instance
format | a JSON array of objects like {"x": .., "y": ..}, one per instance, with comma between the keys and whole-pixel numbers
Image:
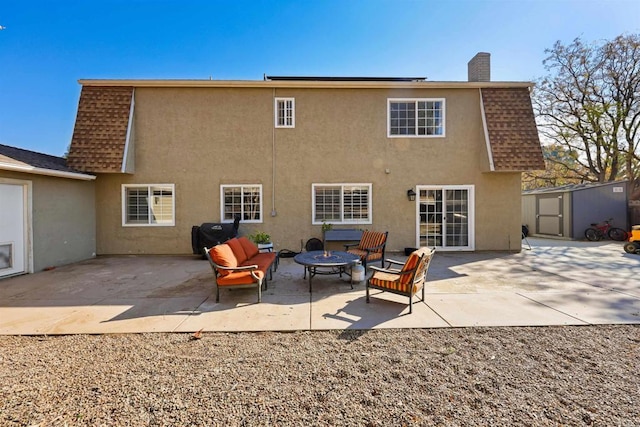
[{"x": 325, "y": 263}]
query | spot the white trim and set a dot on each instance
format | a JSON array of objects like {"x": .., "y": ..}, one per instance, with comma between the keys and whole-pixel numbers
[
  {"x": 342, "y": 220},
  {"x": 304, "y": 84},
  {"x": 41, "y": 171},
  {"x": 245, "y": 221},
  {"x": 293, "y": 112},
  {"x": 28, "y": 219},
  {"x": 416, "y": 100},
  {"x": 486, "y": 133},
  {"x": 470, "y": 220},
  {"x": 128, "y": 137},
  {"x": 149, "y": 187}
]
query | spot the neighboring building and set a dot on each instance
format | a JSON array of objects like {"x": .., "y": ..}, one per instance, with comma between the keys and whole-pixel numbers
[
  {"x": 47, "y": 212},
  {"x": 290, "y": 153},
  {"x": 567, "y": 211}
]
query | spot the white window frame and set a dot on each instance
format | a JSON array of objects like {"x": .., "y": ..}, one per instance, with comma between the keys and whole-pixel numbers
[
  {"x": 342, "y": 220},
  {"x": 287, "y": 109},
  {"x": 242, "y": 208},
  {"x": 416, "y": 100},
  {"x": 150, "y": 188}
]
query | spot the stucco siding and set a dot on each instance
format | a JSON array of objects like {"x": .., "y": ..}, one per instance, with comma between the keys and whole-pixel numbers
[
  {"x": 201, "y": 138},
  {"x": 63, "y": 219}
]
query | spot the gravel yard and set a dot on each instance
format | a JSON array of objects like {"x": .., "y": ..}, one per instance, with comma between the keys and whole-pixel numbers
[{"x": 588, "y": 375}]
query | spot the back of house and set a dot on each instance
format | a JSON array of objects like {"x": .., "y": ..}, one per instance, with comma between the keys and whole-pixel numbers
[{"x": 433, "y": 163}]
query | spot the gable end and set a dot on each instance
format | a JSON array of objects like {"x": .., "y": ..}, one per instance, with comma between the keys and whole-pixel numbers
[
  {"x": 100, "y": 132},
  {"x": 511, "y": 130}
]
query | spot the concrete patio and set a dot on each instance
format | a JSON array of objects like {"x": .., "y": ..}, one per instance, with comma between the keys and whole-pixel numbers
[{"x": 555, "y": 283}]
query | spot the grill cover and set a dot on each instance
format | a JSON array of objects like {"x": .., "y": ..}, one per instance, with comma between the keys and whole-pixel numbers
[{"x": 210, "y": 234}]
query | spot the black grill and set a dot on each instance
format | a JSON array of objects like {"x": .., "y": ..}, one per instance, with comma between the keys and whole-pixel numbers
[{"x": 210, "y": 234}]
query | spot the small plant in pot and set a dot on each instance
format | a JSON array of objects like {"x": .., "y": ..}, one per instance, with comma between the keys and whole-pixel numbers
[
  {"x": 326, "y": 226},
  {"x": 263, "y": 240}
]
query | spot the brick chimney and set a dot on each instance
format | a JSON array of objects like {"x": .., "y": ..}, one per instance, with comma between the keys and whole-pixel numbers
[{"x": 480, "y": 67}]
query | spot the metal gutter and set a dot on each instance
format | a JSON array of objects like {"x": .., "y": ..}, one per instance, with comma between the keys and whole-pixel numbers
[
  {"x": 41, "y": 171},
  {"x": 292, "y": 84}
]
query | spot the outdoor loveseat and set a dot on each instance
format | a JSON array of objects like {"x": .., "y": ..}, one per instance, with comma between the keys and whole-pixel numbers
[{"x": 237, "y": 263}]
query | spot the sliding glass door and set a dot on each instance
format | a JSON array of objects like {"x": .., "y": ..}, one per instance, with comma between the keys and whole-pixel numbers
[{"x": 445, "y": 217}]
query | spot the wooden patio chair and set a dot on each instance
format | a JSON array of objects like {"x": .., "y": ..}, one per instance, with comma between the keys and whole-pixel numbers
[
  {"x": 407, "y": 280},
  {"x": 370, "y": 248}
]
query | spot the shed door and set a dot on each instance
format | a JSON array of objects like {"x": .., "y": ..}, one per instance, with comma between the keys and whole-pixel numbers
[
  {"x": 549, "y": 215},
  {"x": 12, "y": 229}
]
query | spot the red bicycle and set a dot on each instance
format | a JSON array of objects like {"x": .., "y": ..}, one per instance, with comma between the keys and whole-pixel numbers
[{"x": 598, "y": 232}]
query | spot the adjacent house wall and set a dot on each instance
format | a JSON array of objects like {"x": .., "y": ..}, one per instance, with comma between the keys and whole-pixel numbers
[
  {"x": 63, "y": 219},
  {"x": 201, "y": 138}
]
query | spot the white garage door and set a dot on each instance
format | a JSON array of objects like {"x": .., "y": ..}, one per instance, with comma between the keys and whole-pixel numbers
[{"x": 12, "y": 229}]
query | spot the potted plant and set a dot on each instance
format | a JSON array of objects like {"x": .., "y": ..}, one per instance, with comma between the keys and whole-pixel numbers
[{"x": 263, "y": 240}]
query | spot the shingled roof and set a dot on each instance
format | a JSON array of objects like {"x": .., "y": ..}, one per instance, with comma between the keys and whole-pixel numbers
[
  {"x": 17, "y": 159},
  {"x": 100, "y": 132},
  {"x": 511, "y": 129}
]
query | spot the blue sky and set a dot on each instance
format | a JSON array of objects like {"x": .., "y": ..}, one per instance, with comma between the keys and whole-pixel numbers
[{"x": 48, "y": 45}]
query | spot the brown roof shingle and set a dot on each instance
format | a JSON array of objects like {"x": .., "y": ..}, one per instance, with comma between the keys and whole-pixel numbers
[
  {"x": 100, "y": 132},
  {"x": 511, "y": 126}
]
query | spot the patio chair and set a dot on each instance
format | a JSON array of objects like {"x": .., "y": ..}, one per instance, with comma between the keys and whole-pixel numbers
[
  {"x": 370, "y": 248},
  {"x": 407, "y": 280}
]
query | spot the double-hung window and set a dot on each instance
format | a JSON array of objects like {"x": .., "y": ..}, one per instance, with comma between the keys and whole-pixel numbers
[
  {"x": 285, "y": 109},
  {"x": 148, "y": 205},
  {"x": 415, "y": 118},
  {"x": 341, "y": 203},
  {"x": 241, "y": 200}
]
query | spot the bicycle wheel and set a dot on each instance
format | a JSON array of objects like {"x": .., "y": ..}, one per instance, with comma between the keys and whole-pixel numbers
[
  {"x": 617, "y": 234},
  {"x": 592, "y": 234}
]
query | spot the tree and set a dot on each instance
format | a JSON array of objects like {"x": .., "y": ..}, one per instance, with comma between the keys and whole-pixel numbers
[
  {"x": 561, "y": 168},
  {"x": 589, "y": 105}
]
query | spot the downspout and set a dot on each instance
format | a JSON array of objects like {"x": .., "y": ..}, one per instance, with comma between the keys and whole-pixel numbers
[{"x": 273, "y": 156}]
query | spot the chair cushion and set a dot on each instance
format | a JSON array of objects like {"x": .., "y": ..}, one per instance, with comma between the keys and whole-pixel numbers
[
  {"x": 250, "y": 249},
  {"x": 388, "y": 281},
  {"x": 237, "y": 249},
  {"x": 411, "y": 263},
  {"x": 361, "y": 254},
  {"x": 262, "y": 260},
  {"x": 371, "y": 239},
  {"x": 239, "y": 278},
  {"x": 224, "y": 257}
]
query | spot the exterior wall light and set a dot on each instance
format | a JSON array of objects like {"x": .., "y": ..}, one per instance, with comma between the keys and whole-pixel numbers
[{"x": 411, "y": 195}]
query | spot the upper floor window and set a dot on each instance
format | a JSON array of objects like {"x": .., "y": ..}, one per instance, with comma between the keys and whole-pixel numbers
[
  {"x": 241, "y": 200},
  {"x": 148, "y": 205},
  {"x": 417, "y": 118},
  {"x": 341, "y": 203},
  {"x": 285, "y": 109}
]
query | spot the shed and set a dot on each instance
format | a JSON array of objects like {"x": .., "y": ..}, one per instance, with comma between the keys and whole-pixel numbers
[
  {"x": 566, "y": 211},
  {"x": 47, "y": 212}
]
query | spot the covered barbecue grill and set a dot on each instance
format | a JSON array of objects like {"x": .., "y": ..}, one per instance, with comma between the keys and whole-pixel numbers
[{"x": 210, "y": 234}]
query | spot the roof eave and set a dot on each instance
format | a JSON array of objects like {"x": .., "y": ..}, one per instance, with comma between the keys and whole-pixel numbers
[
  {"x": 42, "y": 171},
  {"x": 303, "y": 84}
]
